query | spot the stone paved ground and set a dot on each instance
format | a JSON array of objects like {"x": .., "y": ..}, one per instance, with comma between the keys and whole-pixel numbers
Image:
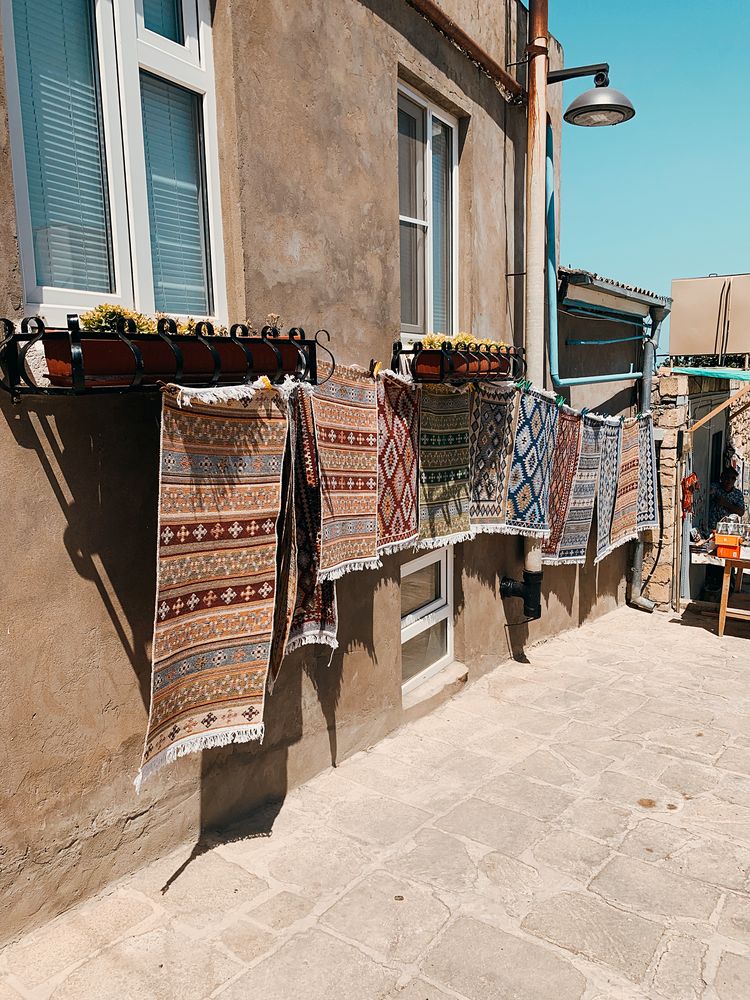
[{"x": 573, "y": 827}]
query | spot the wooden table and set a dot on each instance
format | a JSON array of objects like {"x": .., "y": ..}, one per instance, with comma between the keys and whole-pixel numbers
[{"x": 725, "y": 611}]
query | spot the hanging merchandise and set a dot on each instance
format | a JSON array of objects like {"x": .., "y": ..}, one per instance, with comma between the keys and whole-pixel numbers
[
  {"x": 611, "y": 437},
  {"x": 573, "y": 544},
  {"x": 398, "y": 462},
  {"x": 315, "y": 616},
  {"x": 624, "y": 527},
  {"x": 444, "y": 467},
  {"x": 647, "y": 517},
  {"x": 567, "y": 451},
  {"x": 346, "y": 433},
  {"x": 690, "y": 486},
  {"x": 531, "y": 465},
  {"x": 492, "y": 419},
  {"x": 222, "y": 454}
]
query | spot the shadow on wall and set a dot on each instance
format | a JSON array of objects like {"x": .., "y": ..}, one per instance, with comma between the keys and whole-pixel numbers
[
  {"x": 100, "y": 458},
  {"x": 93, "y": 453}
]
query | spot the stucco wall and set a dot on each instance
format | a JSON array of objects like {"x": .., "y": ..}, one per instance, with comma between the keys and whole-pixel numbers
[{"x": 307, "y": 108}]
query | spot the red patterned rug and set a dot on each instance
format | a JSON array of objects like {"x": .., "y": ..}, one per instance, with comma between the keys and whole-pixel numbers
[
  {"x": 398, "y": 463},
  {"x": 222, "y": 455},
  {"x": 624, "y": 518},
  {"x": 346, "y": 433},
  {"x": 564, "y": 465}
]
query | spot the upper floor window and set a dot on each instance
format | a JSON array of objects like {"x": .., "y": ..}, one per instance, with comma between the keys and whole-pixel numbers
[
  {"x": 113, "y": 129},
  {"x": 427, "y": 190}
]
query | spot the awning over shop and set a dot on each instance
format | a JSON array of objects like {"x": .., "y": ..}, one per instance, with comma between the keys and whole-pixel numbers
[{"x": 729, "y": 373}]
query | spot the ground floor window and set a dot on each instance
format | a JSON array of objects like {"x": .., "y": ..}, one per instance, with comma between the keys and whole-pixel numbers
[{"x": 426, "y": 616}]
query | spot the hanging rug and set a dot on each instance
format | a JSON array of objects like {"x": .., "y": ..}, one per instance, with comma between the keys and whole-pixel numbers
[
  {"x": 222, "y": 455},
  {"x": 444, "y": 467},
  {"x": 647, "y": 515},
  {"x": 492, "y": 419},
  {"x": 611, "y": 438},
  {"x": 315, "y": 615},
  {"x": 624, "y": 526},
  {"x": 398, "y": 463},
  {"x": 573, "y": 543},
  {"x": 346, "y": 434},
  {"x": 564, "y": 466},
  {"x": 527, "y": 506}
]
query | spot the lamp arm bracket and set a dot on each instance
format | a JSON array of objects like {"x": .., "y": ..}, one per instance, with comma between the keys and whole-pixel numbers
[{"x": 600, "y": 72}]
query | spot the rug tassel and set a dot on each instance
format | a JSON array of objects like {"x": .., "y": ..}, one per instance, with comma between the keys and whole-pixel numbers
[{"x": 201, "y": 741}]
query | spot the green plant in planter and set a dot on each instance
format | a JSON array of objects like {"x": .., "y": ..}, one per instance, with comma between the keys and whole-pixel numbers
[{"x": 104, "y": 318}]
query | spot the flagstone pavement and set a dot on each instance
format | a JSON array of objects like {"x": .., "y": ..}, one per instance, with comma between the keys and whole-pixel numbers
[{"x": 575, "y": 827}]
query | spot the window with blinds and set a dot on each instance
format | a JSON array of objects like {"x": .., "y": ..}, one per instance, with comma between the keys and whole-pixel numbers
[
  {"x": 426, "y": 163},
  {"x": 172, "y": 136},
  {"x": 63, "y": 137},
  {"x": 165, "y": 18}
]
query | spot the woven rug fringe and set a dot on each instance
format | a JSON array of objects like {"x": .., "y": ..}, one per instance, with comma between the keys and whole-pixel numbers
[
  {"x": 515, "y": 529},
  {"x": 389, "y": 550},
  {"x": 201, "y": 741},
  {"x": 338, "y": 571},
  {"x": 310, "y": 640},
  {"x": 616, "y": 545},
  {"x": 438, "y": 543},
  {"x": 563, "y": 560}
]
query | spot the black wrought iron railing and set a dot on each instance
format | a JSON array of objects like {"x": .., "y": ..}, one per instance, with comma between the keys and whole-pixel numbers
[
  {"x": 457, "y": 365},
  {"x": 123, "y": 359}
]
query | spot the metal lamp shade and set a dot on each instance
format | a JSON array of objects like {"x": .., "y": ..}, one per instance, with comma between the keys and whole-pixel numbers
[{"x": 599, "y": 106}]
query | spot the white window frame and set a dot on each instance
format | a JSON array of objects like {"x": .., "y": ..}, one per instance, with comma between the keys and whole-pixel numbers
[
  {"x": 433, "y": 111},
  {"x": 431, "y": 614},
  {"x": 124, "y": 48}
]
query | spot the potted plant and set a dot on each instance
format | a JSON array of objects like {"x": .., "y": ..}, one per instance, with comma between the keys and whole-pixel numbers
[
  {"x": 461, "y": 356},
  {"x": 110, "y": 339}
]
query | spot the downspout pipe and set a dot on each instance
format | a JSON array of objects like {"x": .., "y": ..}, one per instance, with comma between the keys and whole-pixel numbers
[
  {"x": 534, "y": 319},
  {"x": 650, "y": 346},
  {"x": 554, "y": 359}
]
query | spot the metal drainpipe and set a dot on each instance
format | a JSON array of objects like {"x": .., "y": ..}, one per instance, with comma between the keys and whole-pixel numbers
[
  {"x": 538, "y": 50},
  {"x": 650, "y": 344}
]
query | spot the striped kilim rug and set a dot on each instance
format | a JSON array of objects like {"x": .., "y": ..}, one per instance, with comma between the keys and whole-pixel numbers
[
  {"x": 315, "y": 616},
  {"x": 444, "y": 467},
  {"x": 647, "y": 516},
  {"x": 611, "y": 437},
  {"x": 346, "y": 433},
  {"x": 398, "y": 462},
  {"x": 564, "y": 467},
  {"x": 222, "y": 455},
  {"x": 574, "y": 540},
  {"x": 624, "y": 526},
  {"x": 492, "y": 420},
  {"x": 527, "y": 511}
]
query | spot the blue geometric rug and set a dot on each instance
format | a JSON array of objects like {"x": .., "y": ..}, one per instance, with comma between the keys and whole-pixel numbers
[
  {"x": 527, "y": 505},
  {"x": 611, "y": 438},
  {"x": 647, "y": 517}
]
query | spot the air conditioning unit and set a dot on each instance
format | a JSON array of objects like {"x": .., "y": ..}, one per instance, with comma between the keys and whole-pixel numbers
[{"x": 710, "y": 315}]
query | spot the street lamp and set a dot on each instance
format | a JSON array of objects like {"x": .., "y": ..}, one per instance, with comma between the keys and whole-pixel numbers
[{"x": 602, "y": 105}]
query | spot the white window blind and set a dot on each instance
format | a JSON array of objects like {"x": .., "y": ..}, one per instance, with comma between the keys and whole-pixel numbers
[
  {"x": 171, "y": 137},
  {"x": 427, "y": 168},
  {"x": 165, "y": 18},
  {"x": 58, "y": 83}
]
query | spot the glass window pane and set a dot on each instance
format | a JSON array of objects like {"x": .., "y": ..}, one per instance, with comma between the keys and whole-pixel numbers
[
  {"x": 63, "y": 138},
  {"x": 165, "y": 18},
  {"x": 411, "y": 148},
  {"x": 176, "y": 212},
  {"x": 423, "y": 650},
  {"x": 442, "y": 237},
  {"x": 412, "y": 276},
  {"x": 420, "y": 588}
]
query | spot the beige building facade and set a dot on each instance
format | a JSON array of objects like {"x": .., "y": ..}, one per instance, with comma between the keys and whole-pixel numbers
[{"x": 315, "y": 124}]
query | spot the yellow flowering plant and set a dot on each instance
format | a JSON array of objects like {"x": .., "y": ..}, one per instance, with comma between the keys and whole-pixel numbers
[{"x": 461, "y": 341}]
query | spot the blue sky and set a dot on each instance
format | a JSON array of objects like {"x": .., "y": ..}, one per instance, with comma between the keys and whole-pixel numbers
[{"x": 667, "y": 194}]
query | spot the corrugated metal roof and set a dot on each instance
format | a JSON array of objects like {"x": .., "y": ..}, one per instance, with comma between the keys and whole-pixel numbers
[{"x": 593, "y": 277}]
